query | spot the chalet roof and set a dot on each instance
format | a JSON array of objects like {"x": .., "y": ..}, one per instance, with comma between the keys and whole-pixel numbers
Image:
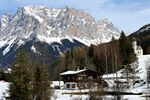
[{"x": 72, "y": 72}]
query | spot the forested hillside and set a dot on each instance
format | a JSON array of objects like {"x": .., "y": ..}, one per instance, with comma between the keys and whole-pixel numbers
[
  {"x": 104, "y": 58},
  {"x": 143, "y": 37}
]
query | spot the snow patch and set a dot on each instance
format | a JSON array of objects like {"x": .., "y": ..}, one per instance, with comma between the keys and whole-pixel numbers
[
  {"x": 143, "y": 65},
  {"x": 88, "y": 42},
  {"x": 2, "y": 43},
  {"x": 33, "y": 49},
  {"x": 49, "y": 40},
  {"x": 58, "y": 95},
  {"x": 3, "y": 89},
  {"x": 10, "y": 44}
]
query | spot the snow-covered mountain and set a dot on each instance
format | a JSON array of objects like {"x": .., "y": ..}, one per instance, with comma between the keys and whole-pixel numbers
[{"x": 52, "y": 25}]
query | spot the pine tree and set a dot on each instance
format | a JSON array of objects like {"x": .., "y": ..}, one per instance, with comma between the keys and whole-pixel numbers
[
  {"x": 91, "y": 51},
  {"x": 134, "y": 70},
  {"x": 131, "y": 71},
  {"x": 68, "y": 60},
  {"x": 20, "y": 87},
  {"x": 41, "y": 84},
  {"x": 122, "y": 46},
  {"x": 126, "y": 49},
  {"x": 113, "y": 38},
  {"x": 99, "y": 63}
]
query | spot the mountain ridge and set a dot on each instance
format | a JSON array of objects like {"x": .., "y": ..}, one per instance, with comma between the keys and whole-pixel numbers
[
  {"x": 56, "y": 22},
  {"x": 142, "y": 35},
  {"x": 51, "y": 25}
]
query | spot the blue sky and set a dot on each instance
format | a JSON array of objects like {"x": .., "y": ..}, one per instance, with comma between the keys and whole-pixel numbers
[{"x": 127, "y": 15}]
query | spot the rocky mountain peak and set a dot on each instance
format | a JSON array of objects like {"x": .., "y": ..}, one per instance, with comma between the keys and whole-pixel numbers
[
  {"x": 107, "y": 30},
  {"x": 4, "y": 21},
  {"x": 34, "y": 27},
  {"x": 106, "y": 24},
  {"x": 52, "y": 25}
]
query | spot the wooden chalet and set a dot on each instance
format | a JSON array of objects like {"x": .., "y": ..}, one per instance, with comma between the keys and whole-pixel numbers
[{"x": 81, "y": 79}]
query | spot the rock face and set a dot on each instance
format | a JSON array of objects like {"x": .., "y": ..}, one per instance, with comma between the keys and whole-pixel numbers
[{"x": 51, "y": 25}]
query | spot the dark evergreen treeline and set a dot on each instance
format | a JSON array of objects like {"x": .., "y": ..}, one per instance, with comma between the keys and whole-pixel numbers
[
  {"x": 3, "y": 75},
  {"x": 105, "y": 58},
  {"x": 28, "y": 79},
  {"x": 143, "y": 38}
]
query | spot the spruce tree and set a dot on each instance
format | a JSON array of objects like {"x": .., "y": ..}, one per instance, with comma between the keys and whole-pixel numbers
[
  {"x": 122, "y": 46},
  {"x": 126, "y": 49},
  {"x": 91, "y": 51},
  {"x": 20, "y": 87},
  {"x": 98, "y": 62},
  {"x": 41, "y": 84}
]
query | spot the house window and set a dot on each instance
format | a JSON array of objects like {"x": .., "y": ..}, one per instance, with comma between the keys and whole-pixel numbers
[
  {"x": 67, "y": 85},
  {"x": 80, "y": 78},
  {"x": 73, "y": 85},
  {"x": 90, "y": 77}
]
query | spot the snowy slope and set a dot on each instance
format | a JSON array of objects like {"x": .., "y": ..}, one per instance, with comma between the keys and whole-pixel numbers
[{"x": 144, "y": 63}]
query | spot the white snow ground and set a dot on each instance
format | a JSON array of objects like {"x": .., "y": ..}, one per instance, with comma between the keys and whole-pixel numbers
[
  {"x": 144, "y": 62},
  {"x": 59, "y": 95},
  {"x": 3, "y": 89}
]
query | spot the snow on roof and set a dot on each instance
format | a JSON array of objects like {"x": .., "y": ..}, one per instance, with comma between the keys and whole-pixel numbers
[
  {"x": 72, "y": 72},
  {"x": 113, "y": 75}
]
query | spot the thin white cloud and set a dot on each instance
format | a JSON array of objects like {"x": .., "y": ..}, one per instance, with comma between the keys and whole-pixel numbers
[
  {"x": 125, "y": 14},
  {"x": 145, "y": 11}
]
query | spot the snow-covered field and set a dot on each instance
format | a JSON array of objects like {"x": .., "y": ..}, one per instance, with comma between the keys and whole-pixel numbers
[{"x": 60, "y": 95}]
